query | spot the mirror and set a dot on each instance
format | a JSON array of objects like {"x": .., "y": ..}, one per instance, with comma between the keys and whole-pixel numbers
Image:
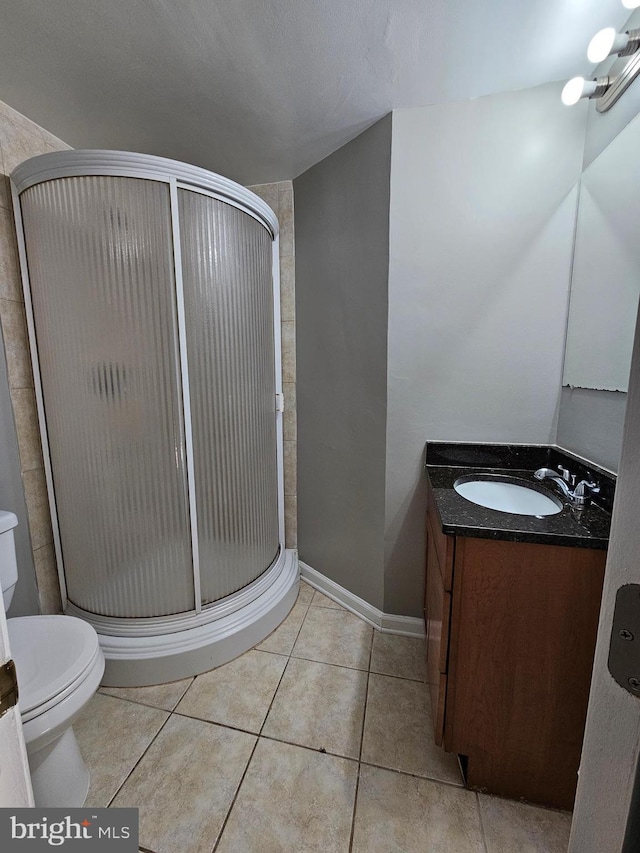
[
  {"x": 605, "y": 282},
  {"x": 605, "y": 286}
]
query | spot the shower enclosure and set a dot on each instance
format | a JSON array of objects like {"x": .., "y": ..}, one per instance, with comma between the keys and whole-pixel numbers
[{"x": 151, "y": 290}]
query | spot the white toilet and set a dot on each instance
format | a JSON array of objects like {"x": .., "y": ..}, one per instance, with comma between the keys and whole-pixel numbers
[{"x": 59, "y": 665}]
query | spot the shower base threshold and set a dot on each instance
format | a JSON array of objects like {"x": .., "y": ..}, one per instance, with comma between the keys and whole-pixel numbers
[{"x": 142, "y": 652}]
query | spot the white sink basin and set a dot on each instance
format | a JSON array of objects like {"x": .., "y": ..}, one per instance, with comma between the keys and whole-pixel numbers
[{"x": 518, "y": 497}]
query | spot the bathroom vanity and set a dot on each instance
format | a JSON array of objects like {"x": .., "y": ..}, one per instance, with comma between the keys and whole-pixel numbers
[{"x": 511, "y": 611}]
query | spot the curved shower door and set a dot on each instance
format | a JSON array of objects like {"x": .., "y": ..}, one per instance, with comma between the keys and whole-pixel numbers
[
  {"x": 228, "y": 299},
  {"x": 101, "y": 270},
  {"x": 153, "y": 321},
  {"x": 152, "y": 301}
]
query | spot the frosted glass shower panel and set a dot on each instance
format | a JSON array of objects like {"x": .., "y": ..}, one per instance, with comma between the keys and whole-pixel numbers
[
  {"x": 100, "y": 258},
  {"x": 228, "y": 291}
]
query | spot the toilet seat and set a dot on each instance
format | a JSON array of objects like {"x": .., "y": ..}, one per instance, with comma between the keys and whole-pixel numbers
[
  {"x": 59, "y": 667},
  {"x": 53, "y": 656}
]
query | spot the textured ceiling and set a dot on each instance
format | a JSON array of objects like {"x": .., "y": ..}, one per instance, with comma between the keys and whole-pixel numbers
[{"x": 259, "y": 90}]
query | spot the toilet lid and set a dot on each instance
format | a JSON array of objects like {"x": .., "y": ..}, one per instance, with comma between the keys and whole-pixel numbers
[{"x": 50, "y": 653}]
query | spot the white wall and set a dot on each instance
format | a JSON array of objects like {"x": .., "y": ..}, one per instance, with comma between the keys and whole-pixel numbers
[
  {"x": 483, "y": 204},
  {"x": 611, "y": 748}
]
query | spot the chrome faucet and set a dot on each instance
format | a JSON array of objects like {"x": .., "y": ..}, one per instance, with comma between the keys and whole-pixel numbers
[
  {"x": 577, "y": 495},
  {"x": 549, "y": 474}
]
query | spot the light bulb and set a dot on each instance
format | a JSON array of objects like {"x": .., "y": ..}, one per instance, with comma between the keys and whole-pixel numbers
[
  {"x": 608, "y": 42},
  {"x": 578, "y": 88},
  {"x": 573, "y": 91},
  {"x": 602, "y": 44},
  {"x": 631, "y": 4}
]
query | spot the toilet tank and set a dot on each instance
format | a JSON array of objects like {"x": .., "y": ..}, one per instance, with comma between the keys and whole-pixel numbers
[{"x": 8, "y": 564}]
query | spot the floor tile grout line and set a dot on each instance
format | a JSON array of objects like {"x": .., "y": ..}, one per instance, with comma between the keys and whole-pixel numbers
[
  {"x": 252, "y": 649},
  {"x": 401, "y": 677},
  {"x": 135, "y": 702},
  {"x": 355, "y": 807},
  {"x": 189, "y": 686},
  {"x": 304, "y": 619},
  {"x": 459, "y": 786},
  {"x": 334, "y": 606},
  {"x": 482, "y": 829},
  {"x": 364, "y": 717},
  {"x": 258, "y": 735},
  {"x": 273, "y": 698},
  {"x": 235, "y": 797},
  {"x": 229, "y": 726},
  {"x": 147, "y": 704},
  {"x": 366, "y": 695},
  {"x": 398, "y": 678},
  {"x": 329, "y": 663},
  {"x": 309, "y": 748},
  {"x": 148, "y": 747}
]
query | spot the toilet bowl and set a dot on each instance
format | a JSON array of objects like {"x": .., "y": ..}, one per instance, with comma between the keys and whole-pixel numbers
[{"x": 59, "y": 665}]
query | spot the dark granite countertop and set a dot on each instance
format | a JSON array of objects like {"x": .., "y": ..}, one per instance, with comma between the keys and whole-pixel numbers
[{"x": 584, "y": 528}]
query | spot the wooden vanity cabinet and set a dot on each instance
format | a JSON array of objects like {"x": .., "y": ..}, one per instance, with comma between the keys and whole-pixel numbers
[
  {"x": 511, "y": 631},
  {"x": 437, "y": 613}
]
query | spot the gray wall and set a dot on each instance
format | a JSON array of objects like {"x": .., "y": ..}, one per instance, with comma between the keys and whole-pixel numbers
[
  {"x": 342, "y": 262},
  {"x": 590, "y": 424},
  {"x": 483, "y": 200},
  {"x": 25, "y": 599}
]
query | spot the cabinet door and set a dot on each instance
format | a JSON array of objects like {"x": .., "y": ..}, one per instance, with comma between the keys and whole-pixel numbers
[
  {"x": 443, "y": 544},
  {"x": 437, "y": 617},
  {"x": 523, "y": 634}
]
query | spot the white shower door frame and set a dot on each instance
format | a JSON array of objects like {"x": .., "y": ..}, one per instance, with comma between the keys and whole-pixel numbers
[{"x": 274, "y": 584}]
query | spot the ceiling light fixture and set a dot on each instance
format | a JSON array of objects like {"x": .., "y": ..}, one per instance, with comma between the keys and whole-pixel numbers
[
  {"x": 609, "y": 42},
  {"x": 631, "y": 4},
  {"x": 622, "y": 72},
  {"x": 578, "y": 88}
]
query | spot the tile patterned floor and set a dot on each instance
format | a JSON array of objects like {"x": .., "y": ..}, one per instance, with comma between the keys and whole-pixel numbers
[{"x": 319, "y": 739}]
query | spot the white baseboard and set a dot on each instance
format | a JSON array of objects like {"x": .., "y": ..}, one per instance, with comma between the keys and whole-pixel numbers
[{"x": 388, "y": 623}]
